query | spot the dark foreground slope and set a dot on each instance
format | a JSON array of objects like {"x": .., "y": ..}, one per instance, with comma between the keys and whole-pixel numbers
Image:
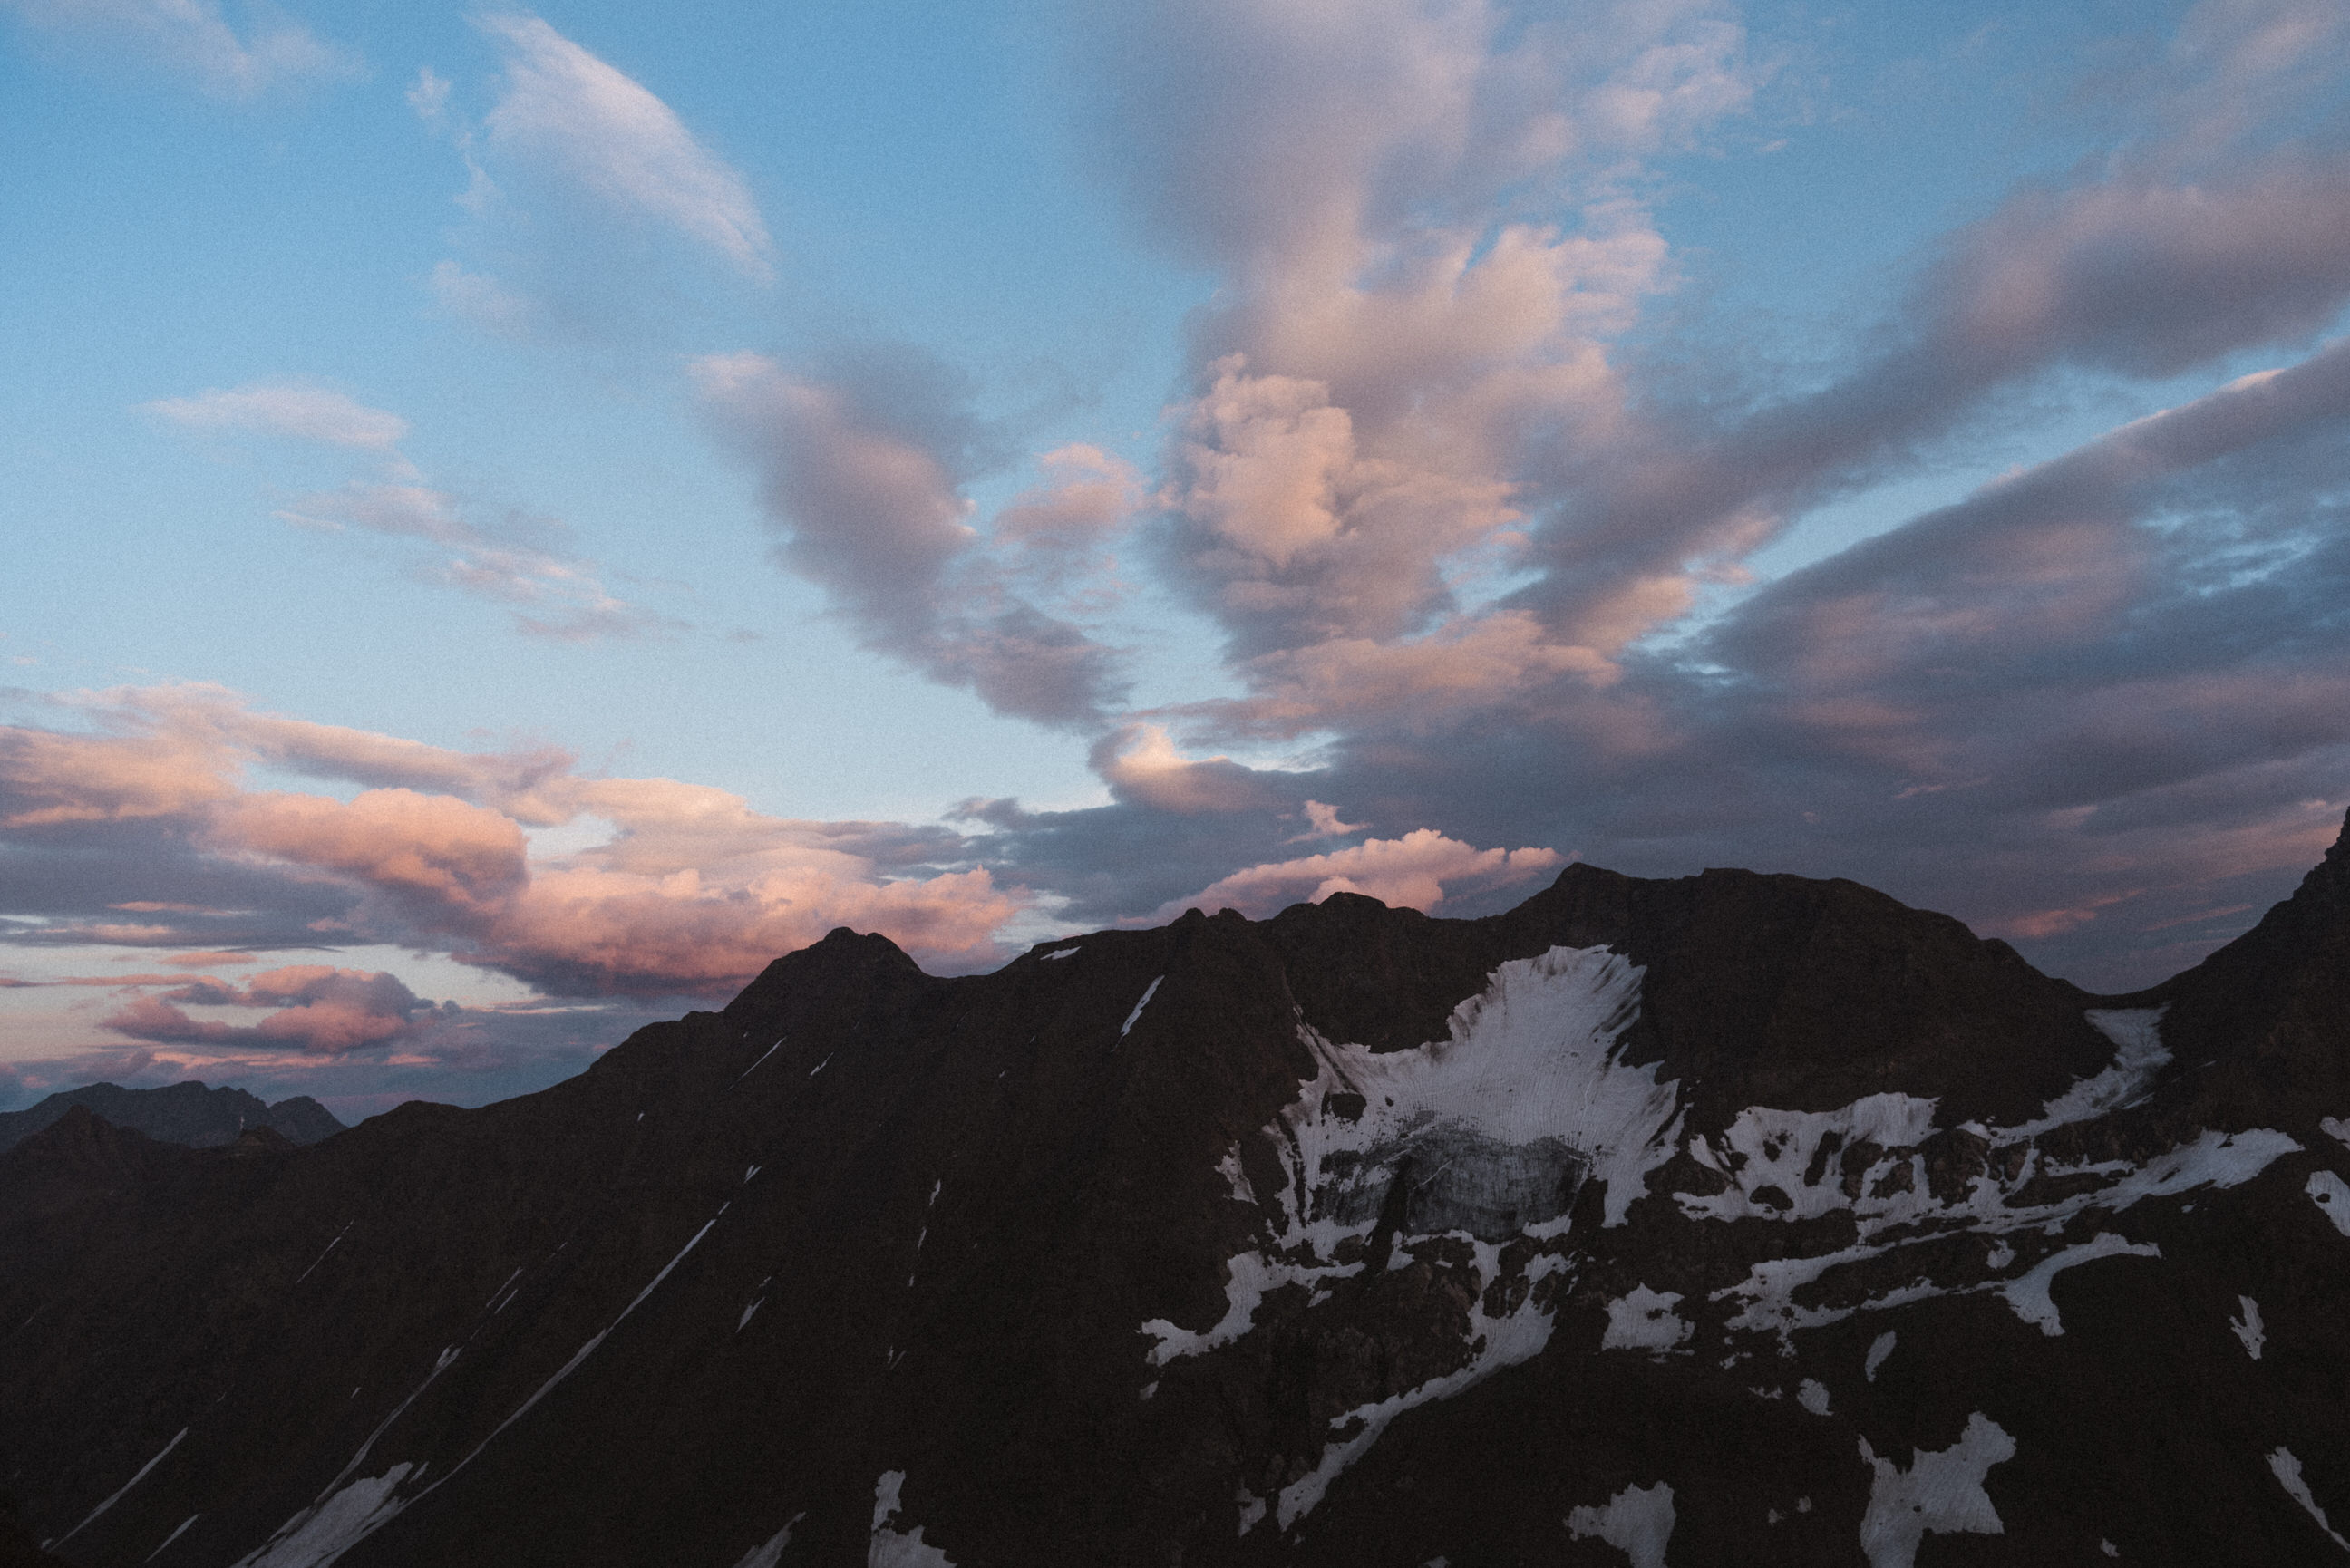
[
  {"x": 188, "y": 1113},
  {"x": 1731, "y": 1220}
]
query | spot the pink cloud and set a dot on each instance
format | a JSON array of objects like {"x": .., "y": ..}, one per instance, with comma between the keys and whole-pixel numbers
[
  {"x": 434, "y": 850},
  {"x": 322, "y": 1010},
  {"x": 1413, "y": 871}
]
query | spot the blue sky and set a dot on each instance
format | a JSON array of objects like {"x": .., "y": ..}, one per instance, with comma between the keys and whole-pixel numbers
[{"x": 516, "y": 517}]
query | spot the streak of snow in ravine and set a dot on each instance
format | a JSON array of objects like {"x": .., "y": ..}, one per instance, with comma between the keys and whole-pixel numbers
[
  {"x": 1878, "y": 1351},
  {"x": 2286, "y": 1465},
  {"x": 1645, "y": 1320},
  {"x": 322, "y": 1256},
  {"x": 745, "y": 1320},
  {"x": 2030, "y": 1297},
  {"x": 2331, "y": 1196},
  {"x": 2247, "y": 1326},
  {"x": 1147, "y": 992},
  {"x": 317, "y": 1535},
  {"x": 1062, "y": 954},
  {"x": 120, "y": 1492},
  {"x": 754, "y": 1067},
  {"x": 1941, "y": 1493},
  {"x": 1497, "y": 1342},
  {"x": 1636, "y": 1521},
  {"x": 170, "y": 1538},
  {"x": 892, "y": 1547},
  {"x": 770, "y": 1552}
]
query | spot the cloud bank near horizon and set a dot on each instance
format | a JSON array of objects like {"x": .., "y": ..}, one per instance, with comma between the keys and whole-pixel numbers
[{"x": 1476, "y": 556}]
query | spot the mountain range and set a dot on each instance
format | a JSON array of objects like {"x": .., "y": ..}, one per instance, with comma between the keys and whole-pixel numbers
[
  {"x": 1732, "y": 1219},
  {"x": 189, "y": 1113}
]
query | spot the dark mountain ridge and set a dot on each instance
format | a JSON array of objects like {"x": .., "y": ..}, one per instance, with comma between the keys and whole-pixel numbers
[
  {"x": 1729, "y": 1219},
  {"x": 187, "y": 1113}
]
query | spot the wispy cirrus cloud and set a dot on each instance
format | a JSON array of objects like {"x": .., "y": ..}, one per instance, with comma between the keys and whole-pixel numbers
[
  {"x": 604, "y": 131},
  {"x": 517, "y": 558},
  {"x": 289, "y": 409},
  {"x": 193, "y": 38}
]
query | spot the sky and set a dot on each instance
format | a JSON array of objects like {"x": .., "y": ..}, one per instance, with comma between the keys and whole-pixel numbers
[{"x": 512, "y": 520}]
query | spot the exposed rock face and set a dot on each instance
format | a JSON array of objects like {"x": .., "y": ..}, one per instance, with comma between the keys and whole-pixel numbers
[
  {"x": 1731, "y": 1220},
  {"x": 187, "y": 1114}
]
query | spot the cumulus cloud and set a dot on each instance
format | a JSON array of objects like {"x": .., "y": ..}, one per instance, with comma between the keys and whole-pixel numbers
[
  {"x": 862, "y": 473},
  {"x": 1413, "y": 871},
  {"x": 320, "y": 1010},
  {"x": 563, "y": 109},
  {"x": 192, "y": 36}
]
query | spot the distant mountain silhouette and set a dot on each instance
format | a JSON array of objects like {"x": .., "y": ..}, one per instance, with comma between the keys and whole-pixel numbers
[
  {"x": 1729, "y": 1220},
  {"x": 189, "y": 1114}
]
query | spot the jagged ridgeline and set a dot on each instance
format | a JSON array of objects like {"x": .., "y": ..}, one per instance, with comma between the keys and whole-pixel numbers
[{"x": 1735, "y": 1219}]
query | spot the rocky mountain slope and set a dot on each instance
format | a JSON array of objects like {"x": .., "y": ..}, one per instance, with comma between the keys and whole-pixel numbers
[
  {"x": 187, "y": 1113},
  {"x": 1735, "y": 1219}
]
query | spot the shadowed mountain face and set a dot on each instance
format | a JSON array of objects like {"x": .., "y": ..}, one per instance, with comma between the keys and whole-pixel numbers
[
  {"x": 187, "y": 1114},
  {"x": 1730, "y": 1219}
]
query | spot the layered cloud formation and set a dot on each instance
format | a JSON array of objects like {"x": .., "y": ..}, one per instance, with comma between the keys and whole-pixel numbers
[{"x": 1480, "y": 563}]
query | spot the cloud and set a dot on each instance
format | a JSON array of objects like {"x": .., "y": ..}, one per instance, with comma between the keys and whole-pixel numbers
[
  {"x": 321, "y": 1010},
  {"x": 519, "y": 559},
  {"x": 1412, "y": 871},
  {"x": 862, "y": 473},
  {"x": 290, "y": 410},
  {"x": 1141, "y": 764},
  {"x": 691, "y": 894},
  {"x": 191, "y": 36},
  {"x": 565, "y": 110}
]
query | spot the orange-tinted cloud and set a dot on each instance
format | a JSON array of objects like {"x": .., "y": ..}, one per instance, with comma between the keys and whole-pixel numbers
[{"x": 1412, "y": 871}]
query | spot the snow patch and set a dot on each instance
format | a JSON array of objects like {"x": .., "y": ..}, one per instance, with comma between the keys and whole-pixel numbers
[
  {"x": 2247, "y": 1325},
  {"x": 2331, "y": 1196},
  {"x": 2337, "y": 1128},
  {"x": 1252, "y": 1508},
  {"x": 1878, "y": 1352},
  {"x": 2030, "y": 1294},
  {"x": 1988, "y": 1207},
  {"x": 1645, "y": 1320},
  {"x": 892, "y": 1547},
  {"x": 1062, "y": 953},
  {"x": 1940, "y": 1493},
  {"x": 1812, "y": 1397},
  {"x": 1147, "y": 992},
  {"x": 1636, "y": 1521},
  {"x": 2287, "y": 1468},
  {"x": 1782, "y": 1150},
  {"x": 2139, "y": 1055},
  {"x": 325, "y": 1530}
]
